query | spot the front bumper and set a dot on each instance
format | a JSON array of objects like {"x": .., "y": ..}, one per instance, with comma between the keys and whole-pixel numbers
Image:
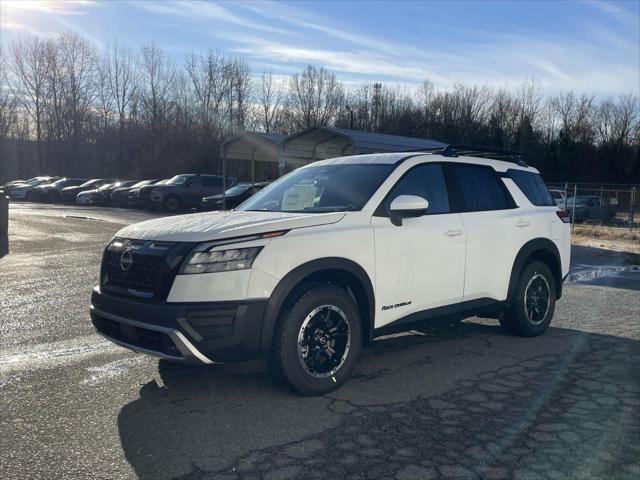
[
  {"x": 84, "y": 200},
  {"x": 18, "y": 195},
  {"x": 194, "y": 332}
]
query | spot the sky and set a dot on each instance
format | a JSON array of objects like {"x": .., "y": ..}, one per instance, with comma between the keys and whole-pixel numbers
[{"x": 583, "y": 46}]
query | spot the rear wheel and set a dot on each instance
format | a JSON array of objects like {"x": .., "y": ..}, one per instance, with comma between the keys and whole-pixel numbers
[
  {"x": 317, "y": 341},
  {"x": 533, "y": 302},
  {"x": 171, "y": 203}
]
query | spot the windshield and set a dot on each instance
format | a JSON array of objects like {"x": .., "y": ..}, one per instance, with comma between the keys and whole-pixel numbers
[
  {"x": 141, "y": 184},
  {"x": 579, "y": 200},
  {"x": 89, "y": 183},
  {"x": 325, "y": 188},
  {"x": 237, "y": 190},
  {"x": 177, "y": 180},
  {"x": 57, "y": 183}
]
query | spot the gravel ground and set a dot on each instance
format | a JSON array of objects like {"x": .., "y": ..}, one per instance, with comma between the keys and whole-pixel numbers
[{"x": 464, "y": 401}]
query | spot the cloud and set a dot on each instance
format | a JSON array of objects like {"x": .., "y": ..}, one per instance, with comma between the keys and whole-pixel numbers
[
  {"x": 617, "y": 12},
  {"x": 204, "y": 11},
  {"x": 55, "y": 7}
]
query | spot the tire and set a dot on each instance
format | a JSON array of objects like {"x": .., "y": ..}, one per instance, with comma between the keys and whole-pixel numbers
[
  {"x": 290, "y": 348},
  {"x": 171, "y": 203},
  {"x": 533, "y": 302}
]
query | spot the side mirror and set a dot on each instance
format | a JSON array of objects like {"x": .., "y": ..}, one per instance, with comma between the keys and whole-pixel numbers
[{"x": 407, "y": 206}]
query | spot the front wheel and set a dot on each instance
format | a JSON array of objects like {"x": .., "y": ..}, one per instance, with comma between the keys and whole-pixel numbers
[
  {"x": 317, "y": 340},
  {"x": 533, "y": 303},
  {"x": 171, "y": 203}
]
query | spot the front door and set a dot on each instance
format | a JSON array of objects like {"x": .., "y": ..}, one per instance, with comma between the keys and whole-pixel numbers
[{"x": 419, "y": 264}]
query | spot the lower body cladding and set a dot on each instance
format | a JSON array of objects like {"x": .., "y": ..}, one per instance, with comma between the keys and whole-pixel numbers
[{"x": 194, "y": 332}]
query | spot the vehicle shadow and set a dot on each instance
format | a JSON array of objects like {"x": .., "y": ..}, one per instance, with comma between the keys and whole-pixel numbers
[{"x": 447, "y": 401}]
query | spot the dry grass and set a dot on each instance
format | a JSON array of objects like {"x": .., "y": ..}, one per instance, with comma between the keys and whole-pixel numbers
[
  {"x": 606, "y": 233},
  {"x": 608, "y": 238}
]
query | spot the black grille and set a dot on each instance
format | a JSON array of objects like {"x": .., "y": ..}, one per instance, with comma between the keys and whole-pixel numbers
[
  {"x": 136, "y": 336},
  {"x": 144, "y": 275},
  {"x": 149, "y": 273}
]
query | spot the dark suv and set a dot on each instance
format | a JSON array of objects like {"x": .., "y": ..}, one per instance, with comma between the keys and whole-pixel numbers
[{"x": 186, "y": 191}]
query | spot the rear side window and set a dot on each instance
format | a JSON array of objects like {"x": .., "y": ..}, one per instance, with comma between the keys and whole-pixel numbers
[
  {"x": 212, "y": 181},
  {"x": 533, "y": 187},
  {"x": 478, "y": 188},
  {"x": 426, "y": 181}
]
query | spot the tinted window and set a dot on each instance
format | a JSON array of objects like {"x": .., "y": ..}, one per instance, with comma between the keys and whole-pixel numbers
[
  {"x": 533, "y": 187},
  {"x": 478, "y": 188},
  {"x": 426, "y": 181},
  {"x": 212, "y": 181},
  {"x": 323, "y": 188}
]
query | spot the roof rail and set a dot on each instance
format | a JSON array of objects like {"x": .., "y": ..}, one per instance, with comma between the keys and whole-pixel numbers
[{"x": 482, "y": 152}]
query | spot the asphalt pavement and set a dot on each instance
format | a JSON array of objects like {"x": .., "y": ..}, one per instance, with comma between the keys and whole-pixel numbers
[{"x": 461, "y": 401}]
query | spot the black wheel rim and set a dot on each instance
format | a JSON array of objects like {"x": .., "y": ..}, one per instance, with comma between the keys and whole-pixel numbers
[
  {"x": 537, "y": 297},
  {"x": 324, "y": 341}
]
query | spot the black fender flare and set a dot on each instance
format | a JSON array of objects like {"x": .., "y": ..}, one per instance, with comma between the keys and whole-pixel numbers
[
  {"x": 294, "y": 277},
  {"x": 529, "y": 249}
]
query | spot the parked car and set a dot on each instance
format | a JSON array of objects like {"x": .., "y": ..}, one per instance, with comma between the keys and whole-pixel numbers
[
  {"x": 141, "y": 197},
  {"x": 119, "y": 196},
  {"x": 23, "y": 191},
  {"x": 589, "y": 208},
  {"x": 69, "y": 194},
  {"x": 93, "y": 196},
  {"x": 331, "y": 256},
  {"x": 51, "y": 191},
  {"x": 103, "y": 196},
  {"x": 186, "y": 191},
  {"x": 234, "y": 196},
  {"x": 558, "y": 197},
  {"x": 9, "y": 185}
]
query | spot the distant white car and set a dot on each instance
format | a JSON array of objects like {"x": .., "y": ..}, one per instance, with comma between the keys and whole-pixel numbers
[
  {"x": 22, "y": 191},
  {"x": 558, "y": 197}
]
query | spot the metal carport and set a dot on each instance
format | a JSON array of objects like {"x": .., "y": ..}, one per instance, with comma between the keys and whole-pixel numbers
[
  {"x": 252, "y": 156},
  {"x": 319, "y": 143}
]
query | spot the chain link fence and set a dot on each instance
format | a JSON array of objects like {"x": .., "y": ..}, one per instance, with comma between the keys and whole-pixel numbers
[{"x": 611, "y": 205}]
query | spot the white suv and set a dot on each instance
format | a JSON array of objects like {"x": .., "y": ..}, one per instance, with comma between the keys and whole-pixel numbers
[{"x": 335, "y": 254}]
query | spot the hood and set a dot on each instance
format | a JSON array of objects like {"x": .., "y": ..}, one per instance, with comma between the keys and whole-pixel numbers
[
  {"x": 204, "y": 227},
  {"x": 217, "y": 198}
]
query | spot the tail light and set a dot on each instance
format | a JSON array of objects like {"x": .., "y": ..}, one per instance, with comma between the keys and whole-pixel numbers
[{"x": 564, "y": 216}]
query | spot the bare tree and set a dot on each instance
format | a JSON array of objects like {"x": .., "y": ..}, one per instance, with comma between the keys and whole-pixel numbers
[
  {"x": 209, "y": 88},
  {"x": 8, "y": 101},
  {"x": 157, "y": 75},
  {"x": 270, "y": 94},
  {"x": 315, "y": 97},
  {"x": 121, "y": 83},
  {"x": 30, "y": 70}
]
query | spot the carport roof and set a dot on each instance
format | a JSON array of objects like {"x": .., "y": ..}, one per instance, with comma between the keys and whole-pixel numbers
[
  {"x": 317, "y": 143},
  {"x": 253, "y": 146}
]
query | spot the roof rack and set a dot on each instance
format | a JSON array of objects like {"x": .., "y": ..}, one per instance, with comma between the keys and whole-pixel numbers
[{"x": 482, "y": 152}]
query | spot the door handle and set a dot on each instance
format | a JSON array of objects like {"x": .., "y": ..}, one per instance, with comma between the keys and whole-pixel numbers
[
  {"x": 522, "y": 223},
  {"x": 453, "y": 232}
]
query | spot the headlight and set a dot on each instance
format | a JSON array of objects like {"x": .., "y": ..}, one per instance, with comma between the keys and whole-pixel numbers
[{"x": 203, "y": 260}]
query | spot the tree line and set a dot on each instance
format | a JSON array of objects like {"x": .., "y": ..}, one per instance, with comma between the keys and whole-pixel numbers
[{"x": 133, "y": 113}]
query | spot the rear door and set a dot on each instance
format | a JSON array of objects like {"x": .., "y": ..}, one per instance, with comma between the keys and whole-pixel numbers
[
  {"x": 495, "y": 228},
  {"x": 419, "y": 264}
]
